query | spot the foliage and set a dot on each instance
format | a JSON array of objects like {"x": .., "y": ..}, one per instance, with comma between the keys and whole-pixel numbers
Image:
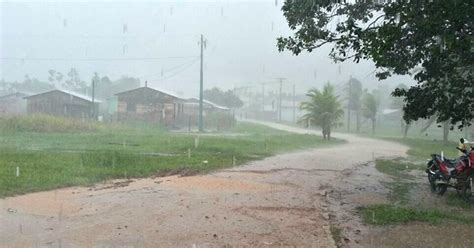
[
  {"x": 369, "y": 108},
  {"x": 45, "y": 123},
  {"x": 397, "y": 102},
  {"x": 430, "y": 40},
  {"x": 322, "y": 109},
  {"x": 227, "y": 98},
  {"x": 29, "y": 85},
  {"x": 354, "y": 93},
  {"x": 73, "y": 82}
]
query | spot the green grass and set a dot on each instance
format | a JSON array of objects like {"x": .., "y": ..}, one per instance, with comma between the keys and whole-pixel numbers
[
  {"x": 336, "y": 233},
  {"x": 404, "y": 208},
  {"x": 384, "y": 214},
  {"x": 399, "y": 191},
  {"x": 59, "y": 159},
  {"x": 453, "y": 199},
  {"x": 396, "y": 168},
  {"x": 422, "y": 148}
]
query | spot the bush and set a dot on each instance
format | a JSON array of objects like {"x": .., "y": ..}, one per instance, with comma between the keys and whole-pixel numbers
[{"x": 46, "y": 123}]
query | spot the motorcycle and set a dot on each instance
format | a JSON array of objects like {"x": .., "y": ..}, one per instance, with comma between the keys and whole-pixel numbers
[{"x": 456, "y": 173}]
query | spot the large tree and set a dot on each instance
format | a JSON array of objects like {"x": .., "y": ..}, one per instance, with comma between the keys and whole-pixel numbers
[
  {"x": 223, "y": 98},
  {"x": 322, "y": 109},
  {"x": 397, "y": 103},
  {"x": 430, "y": 40},
  {"x": 369, "y": 108},
  {"x": 354, "y": 93}
]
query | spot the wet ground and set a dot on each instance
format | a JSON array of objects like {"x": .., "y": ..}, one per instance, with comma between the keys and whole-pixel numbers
[
  {"x": 283, "y": 200},
  {"x": 363, "y": 185}
]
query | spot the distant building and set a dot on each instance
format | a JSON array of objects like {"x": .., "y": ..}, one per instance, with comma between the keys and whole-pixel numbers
[
  {"x": 13, "y": 104},
  {"x": 191, "y": 107},
  {"x": 62, "y": 103},
  {"x": 149, "y": 105},
  {"x": 215, "y": 116}
]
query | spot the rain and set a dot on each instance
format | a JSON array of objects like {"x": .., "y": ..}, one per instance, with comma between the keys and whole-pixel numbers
[{"x": 222, "y": 123}]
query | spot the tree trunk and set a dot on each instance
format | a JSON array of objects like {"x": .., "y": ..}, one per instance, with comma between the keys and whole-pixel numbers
[
  {"x": 405, "y": 132},
  {"x": 445, "y": 132},
  {"x": 358, "y": 121},
  {"x": 402, "y": 125},
  {"x": 348, "y": 119},
  {"x": 329, "y": 134},
  {"x": 373, "y": 125}
]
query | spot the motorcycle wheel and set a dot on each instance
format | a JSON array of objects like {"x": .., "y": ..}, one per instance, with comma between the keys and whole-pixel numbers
[
  {"x": 467, "y": 191},
  {"x": 432, "y": 183},
  {"x": 438, "y": 188}
]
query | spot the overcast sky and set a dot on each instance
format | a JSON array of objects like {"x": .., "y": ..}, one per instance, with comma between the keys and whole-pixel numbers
[{"x": 157, "y": 41}]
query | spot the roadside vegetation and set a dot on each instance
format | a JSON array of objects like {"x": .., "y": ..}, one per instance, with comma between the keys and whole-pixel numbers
[
  {"x": 50, "y": 152},
  {"x": 405, "y": 204}
]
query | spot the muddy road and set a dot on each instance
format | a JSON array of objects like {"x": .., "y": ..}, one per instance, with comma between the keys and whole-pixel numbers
[{"x": 278, "y": 201}]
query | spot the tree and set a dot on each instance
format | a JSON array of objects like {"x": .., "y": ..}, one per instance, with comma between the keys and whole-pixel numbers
[
  {"x": 51, "y": 76},
  {"x": 322, "y": 109},
  {"x": 369, "y": 108},
  {"x": 429, "y": 40},
  {"x": 74, "y": 82},
  {"x": 354, "y": 93},
  {"x": 227, "y": 98},
  {"x": 397, "y": 103}
]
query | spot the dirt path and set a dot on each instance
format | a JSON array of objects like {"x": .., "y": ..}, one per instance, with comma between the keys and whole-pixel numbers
[{"x": 277, "y": 201}]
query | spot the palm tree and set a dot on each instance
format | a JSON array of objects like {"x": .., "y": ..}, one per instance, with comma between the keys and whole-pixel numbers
[
  {"x": 369, "y": 108},
  {"x": 323, "y": 109}
]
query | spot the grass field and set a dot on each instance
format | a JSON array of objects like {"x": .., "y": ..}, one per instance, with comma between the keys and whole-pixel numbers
[{"x": 49, "y": 159}]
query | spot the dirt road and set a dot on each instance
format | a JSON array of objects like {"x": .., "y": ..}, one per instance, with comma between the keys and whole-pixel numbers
[{"x": 277, "y": 201}]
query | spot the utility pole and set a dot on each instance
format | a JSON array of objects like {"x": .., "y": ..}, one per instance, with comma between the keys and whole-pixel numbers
[
  {"x": 294, "y": 104},
  {"x": 263, "y": 97},
  {"x": 279, "y": 99},
  {"x": 349, "y": 106},
  {"x": 201, "y": 129},
  {"x": 93, "y": 96}
]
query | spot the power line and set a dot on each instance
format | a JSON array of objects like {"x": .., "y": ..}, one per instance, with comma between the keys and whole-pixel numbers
[
  {"x": 97, "y": 59},
  {"x": 178, "y": 72},
  {"x": 174, "y": 68}
]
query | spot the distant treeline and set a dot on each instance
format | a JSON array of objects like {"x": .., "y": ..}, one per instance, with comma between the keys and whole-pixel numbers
[{"x": 104, "y": 86}]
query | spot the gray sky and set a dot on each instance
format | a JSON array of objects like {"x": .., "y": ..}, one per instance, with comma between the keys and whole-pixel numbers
[{"x": 241, "y": 44}]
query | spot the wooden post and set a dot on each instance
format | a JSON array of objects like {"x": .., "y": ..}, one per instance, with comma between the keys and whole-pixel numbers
[{"x": 196, "y": 142}]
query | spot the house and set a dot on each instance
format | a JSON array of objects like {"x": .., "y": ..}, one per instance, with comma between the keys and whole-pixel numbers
[
  {"x": 215, "y": 116},
  {"x": 62, "y": 103},
  {"x": 149, "y": 105},
  {"x": 191, "y": 107},
  {"x": 13, "y": 104}
]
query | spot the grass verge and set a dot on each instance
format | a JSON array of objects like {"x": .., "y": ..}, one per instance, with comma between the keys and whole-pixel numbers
[
  {"x": 402, "y": 209},
  {"x": 56, "y": 159},
  {"x": 384, "y": 214}
]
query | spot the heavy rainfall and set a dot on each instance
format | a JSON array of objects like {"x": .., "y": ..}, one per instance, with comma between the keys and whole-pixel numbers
[{"x": 269, "y": 123}]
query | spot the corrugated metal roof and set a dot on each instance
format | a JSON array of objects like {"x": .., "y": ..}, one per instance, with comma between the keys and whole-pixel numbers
[
  {"x": 157, "y": 90},
  {"x": 68, "y": 92},
  {"x": 208, "y": 102}
]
